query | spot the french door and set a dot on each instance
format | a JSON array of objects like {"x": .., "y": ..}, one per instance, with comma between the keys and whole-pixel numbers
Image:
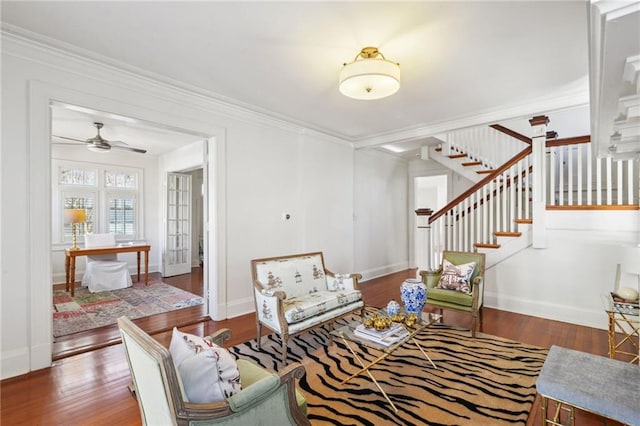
[{"x": 177, "y": 255}]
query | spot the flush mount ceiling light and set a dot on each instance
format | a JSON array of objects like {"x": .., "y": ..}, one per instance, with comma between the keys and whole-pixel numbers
[{"x": 370, "y": 76}]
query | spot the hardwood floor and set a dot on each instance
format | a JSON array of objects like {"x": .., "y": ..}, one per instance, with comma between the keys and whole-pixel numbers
[{"x": 90, "y": 387}]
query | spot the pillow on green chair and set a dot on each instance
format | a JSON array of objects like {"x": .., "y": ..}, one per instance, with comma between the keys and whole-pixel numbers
[
  {"x": 208, "y": 372},
  {"x": 456, "y": 277}
]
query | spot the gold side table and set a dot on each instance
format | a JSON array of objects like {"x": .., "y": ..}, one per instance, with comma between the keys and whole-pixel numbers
[{"x": 624, "y": 329}]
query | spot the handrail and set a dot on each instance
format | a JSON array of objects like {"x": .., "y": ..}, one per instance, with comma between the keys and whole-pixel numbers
[
  {"x": 568, "y": 141},
  {"x": 491, "y": 176},
  {"x": 511, "y": 133}
]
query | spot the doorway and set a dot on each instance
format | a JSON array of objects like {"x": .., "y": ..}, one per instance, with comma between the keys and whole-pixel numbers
[
  {"x": 64, "y": 119},
  {"x": 428, "y": 192}
]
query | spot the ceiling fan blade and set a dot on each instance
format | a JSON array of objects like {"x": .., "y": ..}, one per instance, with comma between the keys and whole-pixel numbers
[
  {"x": 66, "y": 143},
  {"x": 128, "y": 148},
  {"x": 69, "y": 139}
]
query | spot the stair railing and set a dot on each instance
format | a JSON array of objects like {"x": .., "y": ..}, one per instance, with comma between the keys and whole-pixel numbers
[
  {"x": 495, "y": 205},
  {"x": 491, "y": 205},
  {"x": 489, "y": 145},
  {"x": 579, "y": 180}
]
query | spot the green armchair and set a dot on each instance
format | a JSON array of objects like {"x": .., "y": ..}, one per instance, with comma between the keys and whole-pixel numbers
[
  {"x": 457, "y": 300},
  {"x": 267, "y": 398}
]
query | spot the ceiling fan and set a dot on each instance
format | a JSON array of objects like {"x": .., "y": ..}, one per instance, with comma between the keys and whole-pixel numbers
[{"x": 100, "y": 144}]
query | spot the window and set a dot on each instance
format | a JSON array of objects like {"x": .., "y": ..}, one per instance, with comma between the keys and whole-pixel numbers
[
  {"x": 122, "y": 215},
  {"x": 109, "y": 195}
]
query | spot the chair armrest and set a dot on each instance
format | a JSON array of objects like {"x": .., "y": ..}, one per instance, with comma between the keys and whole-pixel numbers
[
  {"x": 219, "y": 337},
  {"x": 477, "y": 292},
  {"x": 431, "y": 278},
  {"x": 350, "y": 281},
  {"x": 255, "y": 393},
  {"x": 270, "y": 308}
]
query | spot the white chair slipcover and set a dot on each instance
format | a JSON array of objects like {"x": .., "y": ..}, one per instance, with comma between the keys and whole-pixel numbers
[{"x": 104, "y": 272}]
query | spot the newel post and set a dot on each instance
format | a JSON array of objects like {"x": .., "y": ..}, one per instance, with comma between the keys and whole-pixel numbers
[
  {"x": 423, "y": 237},
  {"x": 539, "y": 204}
]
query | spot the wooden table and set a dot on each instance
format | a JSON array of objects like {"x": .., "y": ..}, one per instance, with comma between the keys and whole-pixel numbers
[{"x": 70, "y": 260}]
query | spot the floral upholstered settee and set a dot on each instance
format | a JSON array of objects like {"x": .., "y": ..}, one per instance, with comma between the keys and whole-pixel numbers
[{"x": 295, "y": 293}]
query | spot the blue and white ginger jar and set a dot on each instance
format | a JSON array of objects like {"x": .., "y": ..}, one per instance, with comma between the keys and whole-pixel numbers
[
  {"x": 393, "y": 308},
  {"x": 414, "y": 296}
]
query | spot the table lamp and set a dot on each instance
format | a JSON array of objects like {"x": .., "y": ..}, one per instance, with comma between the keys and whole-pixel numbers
[{"x": 74, "y": 216}]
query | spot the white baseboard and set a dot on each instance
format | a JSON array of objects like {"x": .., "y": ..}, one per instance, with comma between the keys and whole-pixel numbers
[
  {"x": 370, "y": 274},
  {"x": 14, "y": 363},
  {"x": 552, "y": 311},
  {"x": 240, "y": 307}
]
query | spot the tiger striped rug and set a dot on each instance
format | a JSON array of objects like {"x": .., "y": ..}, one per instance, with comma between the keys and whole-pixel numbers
[{"x": 483, "y": 381}]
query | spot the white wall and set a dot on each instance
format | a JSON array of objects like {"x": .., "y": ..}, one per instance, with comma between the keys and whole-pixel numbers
[
  {"x": 261, "y": 167},
  {"x": 381, "y": 219},
  {"x": 567, "y": 280}
]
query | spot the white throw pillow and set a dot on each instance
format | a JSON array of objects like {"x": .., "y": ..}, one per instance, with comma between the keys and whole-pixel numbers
[
  {"x": 208, "y": 372},
  {"x": 456, "y": 277}
]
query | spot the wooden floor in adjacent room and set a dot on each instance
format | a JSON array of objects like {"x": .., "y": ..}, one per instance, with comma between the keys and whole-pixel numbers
[{"x": 87, "y": 384}]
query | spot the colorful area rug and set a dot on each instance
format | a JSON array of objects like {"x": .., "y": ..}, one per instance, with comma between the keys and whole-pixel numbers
[
  {"x": 482, "y": 381},
  {"x": 87, "y": 310}
]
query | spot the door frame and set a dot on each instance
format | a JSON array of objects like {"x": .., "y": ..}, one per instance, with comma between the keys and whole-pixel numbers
[
  {"x": 130, "y": 104},
  {"x": 412, "y": 231}
]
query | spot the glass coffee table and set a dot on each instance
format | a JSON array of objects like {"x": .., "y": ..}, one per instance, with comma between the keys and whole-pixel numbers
[{"x": 347, "y": 335}]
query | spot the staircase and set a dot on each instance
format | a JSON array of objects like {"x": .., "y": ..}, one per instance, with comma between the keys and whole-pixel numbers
[{"x": 495, "y": 215}]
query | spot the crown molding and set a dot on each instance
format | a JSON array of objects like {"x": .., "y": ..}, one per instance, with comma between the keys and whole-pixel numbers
[
  {"x": 575, "y": 97},
  {"x": 49, "y": 52},
  {"x": 34, "y": 47}
]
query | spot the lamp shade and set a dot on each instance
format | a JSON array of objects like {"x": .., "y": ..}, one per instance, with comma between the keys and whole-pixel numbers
[
  {"x": 370, "y": 77},
  {"x": 75, "y": 216}
]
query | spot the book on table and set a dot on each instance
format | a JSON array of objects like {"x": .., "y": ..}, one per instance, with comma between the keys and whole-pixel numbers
[{"x": 387, "y": 337}]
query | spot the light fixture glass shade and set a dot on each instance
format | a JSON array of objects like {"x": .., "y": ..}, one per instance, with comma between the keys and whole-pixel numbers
[{"x": 370, "y": 78}]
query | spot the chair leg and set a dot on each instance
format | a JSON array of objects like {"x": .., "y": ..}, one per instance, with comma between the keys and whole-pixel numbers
[
  {"x": 480, "y": 316},
  {"x": 474, "y": 320},
  {"x": 259, "y": 333},
  {"x": 284, "y": 349}
]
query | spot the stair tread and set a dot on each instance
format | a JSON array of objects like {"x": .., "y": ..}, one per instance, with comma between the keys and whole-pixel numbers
[
  {"x": 507, "y": 234},
  {"x": 457, "y": 155},
  {"x": 486, "y": 245},
  {"x": 524, "y": 221},
  {"x": 484, "y": 171},
  {"x": 472, "y": 163}
]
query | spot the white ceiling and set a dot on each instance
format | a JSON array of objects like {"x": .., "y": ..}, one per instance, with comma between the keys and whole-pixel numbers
[{"x": 458, "y": 59}]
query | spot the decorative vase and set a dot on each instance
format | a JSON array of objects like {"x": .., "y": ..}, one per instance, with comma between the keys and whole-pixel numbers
[
  {"x": 414, "y": 295},
  {"x": 393, "y": 308}
]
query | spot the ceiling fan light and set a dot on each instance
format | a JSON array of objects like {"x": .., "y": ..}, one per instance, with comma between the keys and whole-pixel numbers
[
  {"x": 97, "y": 148},
  {"x": 371, "y": 77}
]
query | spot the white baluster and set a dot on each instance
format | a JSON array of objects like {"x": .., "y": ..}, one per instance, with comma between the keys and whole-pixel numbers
[
  {"x": 609, "y": 183},
  {"x": 553, "y": 167},
  {"x": 599, "y": 181},
  {"x": 569, "y": 175},
  {"x": 527, "y": 182},
  {"x": 561, "y": 176},
  {"x": 579, "y": 165},
  {"x": 630, "y": 185},
  {"x": 521, "y": 182},
  {"x": 619, "y": 185},
  {"x": 589, "y": 175}
]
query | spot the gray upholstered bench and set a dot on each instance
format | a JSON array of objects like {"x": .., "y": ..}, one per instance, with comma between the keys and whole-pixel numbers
[{"x": 590, "y": 382}]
